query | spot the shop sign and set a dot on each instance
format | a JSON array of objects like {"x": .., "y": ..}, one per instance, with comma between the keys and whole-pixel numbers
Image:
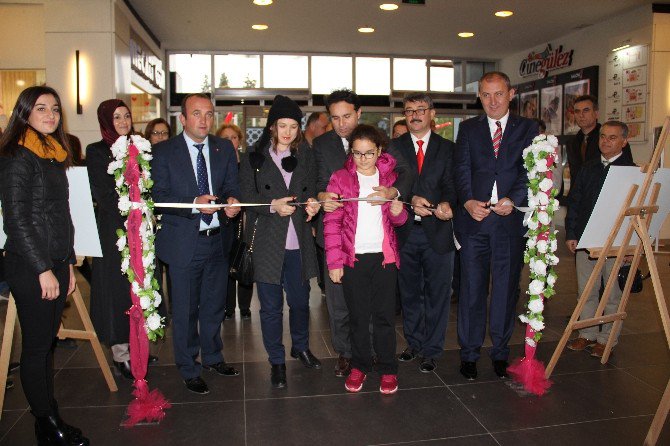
[
  {"x": 540, "y": 63},
  {"x": 147, "y": 65}
]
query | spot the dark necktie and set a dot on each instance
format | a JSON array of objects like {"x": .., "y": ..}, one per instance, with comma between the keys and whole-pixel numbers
[
  {"x": 605, "y": 164},
  {"x": 419, "y": 154},
  {"x": 582, "y": 148},
  {"x": 203, "y": 180},
  {"x": 497, "y": 137}
]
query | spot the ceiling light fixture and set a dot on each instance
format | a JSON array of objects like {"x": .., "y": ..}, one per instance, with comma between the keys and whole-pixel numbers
[
  {"x": 366, "y": 29},
  {"x": 259, "y": 27},
  {"x": 504, "y": 13},
  {"x": 466, "y": 34},
  {"x": 388, "y": 6},
  {"x": 263, "y": 2}
]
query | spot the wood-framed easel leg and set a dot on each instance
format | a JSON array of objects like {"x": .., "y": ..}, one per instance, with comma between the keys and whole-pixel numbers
[
  {"x": 6, "y": 352},
  {"x": 659, "y": 419}
]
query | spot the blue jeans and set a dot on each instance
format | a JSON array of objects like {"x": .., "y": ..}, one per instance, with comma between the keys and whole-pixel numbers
[{"x": 272, "y": 304}]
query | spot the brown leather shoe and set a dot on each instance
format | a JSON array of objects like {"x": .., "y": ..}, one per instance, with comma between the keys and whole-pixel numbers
[
  {"x": 598, "y": 350},
  {"x": 579, "y": 344},
  {"x": 342, "y": 367}
]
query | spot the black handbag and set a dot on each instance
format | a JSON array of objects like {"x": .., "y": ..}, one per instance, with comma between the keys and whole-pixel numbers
[
  {"x": 623, "y": 277},
  {"x": 242, "y": 265}
]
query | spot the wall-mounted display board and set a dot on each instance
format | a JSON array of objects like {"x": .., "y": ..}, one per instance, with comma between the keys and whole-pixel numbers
[{"x": 626, "y": 90}]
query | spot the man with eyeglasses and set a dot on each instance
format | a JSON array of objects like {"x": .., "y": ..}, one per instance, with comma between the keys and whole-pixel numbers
[
  {"x": 330, "y": 152},
  {"x": 490, "y": 180},
  {"x": 427, "y": 238}
]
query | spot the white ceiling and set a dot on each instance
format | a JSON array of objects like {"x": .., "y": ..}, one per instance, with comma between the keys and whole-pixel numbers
[{"x": 330, "y": 26}]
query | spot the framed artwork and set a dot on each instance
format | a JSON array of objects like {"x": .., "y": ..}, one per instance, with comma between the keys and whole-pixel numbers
[
  {"x": 634, "y": 76},
  {"x": 530, "y": 104},
  {"x": 552, "y": 109},
  {"x": 571, "y": 92}
]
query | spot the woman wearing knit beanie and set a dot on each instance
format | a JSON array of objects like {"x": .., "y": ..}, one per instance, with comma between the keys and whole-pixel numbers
[{"x": 280, "y": 171}]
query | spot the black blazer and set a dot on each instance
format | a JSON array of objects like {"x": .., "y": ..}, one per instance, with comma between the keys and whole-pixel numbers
[
  {"x": 574, "y": 145},
  {"x": 175, "y": 182},
  {"x": 435, "y": 184},
  {"x": 329, "y": 156}
]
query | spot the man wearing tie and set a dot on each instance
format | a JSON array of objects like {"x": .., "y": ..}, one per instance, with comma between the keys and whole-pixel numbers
[
  {"x": 427, "y": 238},
  {"x": 196, "y": 167},
  {"x": 490, "y": 179},
  {"x": 330, "y": 152}
]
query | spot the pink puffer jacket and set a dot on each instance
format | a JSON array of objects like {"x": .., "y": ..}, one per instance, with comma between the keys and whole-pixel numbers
[{"x": 340, "y": 225}]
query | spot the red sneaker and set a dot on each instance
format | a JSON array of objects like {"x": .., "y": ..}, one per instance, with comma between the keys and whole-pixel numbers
[
  {"x": 354, "y": 382},
  {"x": 389, "y": 384}
]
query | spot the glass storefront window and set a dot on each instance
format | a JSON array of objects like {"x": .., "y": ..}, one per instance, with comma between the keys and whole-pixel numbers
[
  {"x": 285, "y": 71},
  {"x": 380, "y": 120},
  {"x": 441, "y": 79},
  {"x": 331, "y": 73},
  {"x": 143, "y": 106},
  {"x": 237, "y": 71},
  {"x": 12, "y": 83},
  {"x": 409, "y": 74},
  {"x": 193, "y": 72},
  {"x": 373, "y": 75}
]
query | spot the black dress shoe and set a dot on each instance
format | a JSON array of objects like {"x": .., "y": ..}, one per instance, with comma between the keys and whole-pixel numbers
[
  {"x": 407, "y": 355},
  {"x": 469, "y": 370},
  {"x": 245, "y": 314},
  {"x": 52, "y": 431},
  {"x": 307, "y": 359},
  {"x": 222, "y": 369},
  {"x": 230, "y": 314},
  {"x": 123, "y": 369},
  {"x": 500, "y": 367},
  {"x": 427, "y": 365},
  {"x": 278, "y": 376},
  {"x": 197, "y": 385}
]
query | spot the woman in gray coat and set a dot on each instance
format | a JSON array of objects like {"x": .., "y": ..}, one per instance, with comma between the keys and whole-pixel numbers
[{"x": 280, "y": 171}]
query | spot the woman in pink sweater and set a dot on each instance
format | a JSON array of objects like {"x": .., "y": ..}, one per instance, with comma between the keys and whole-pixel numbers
[{"x": 362, "y": 254}]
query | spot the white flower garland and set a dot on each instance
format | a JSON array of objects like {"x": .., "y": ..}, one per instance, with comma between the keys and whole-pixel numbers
[
  {"x": 539, "y": 158},
  {"x": 147, "y": 292}
]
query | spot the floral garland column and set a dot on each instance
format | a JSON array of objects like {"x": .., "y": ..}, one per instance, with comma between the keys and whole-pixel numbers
[
  {"x": 131, "y": 172},
  {"x": 538, "y": 158}
]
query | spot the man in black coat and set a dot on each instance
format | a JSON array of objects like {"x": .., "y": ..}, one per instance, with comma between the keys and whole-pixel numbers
[
  {"x": 330, "y": 152},
  {"x": 581, "y": 201},
  {"x": 583, "y": 146},
  {"x": 427, "y": 238}
]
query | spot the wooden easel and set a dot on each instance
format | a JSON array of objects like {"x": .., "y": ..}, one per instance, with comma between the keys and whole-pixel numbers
[
  {"x": 640, "y": 218},
  {"x": 88, "y": 333}
]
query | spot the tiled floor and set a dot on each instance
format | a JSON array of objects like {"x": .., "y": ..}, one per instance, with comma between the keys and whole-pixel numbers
[{"x": 589, "y": 403}]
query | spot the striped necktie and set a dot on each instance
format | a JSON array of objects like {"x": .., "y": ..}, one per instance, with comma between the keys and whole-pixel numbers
[
  {"x": 497, "y": 138},
  {"x": 203, "y": 180}
]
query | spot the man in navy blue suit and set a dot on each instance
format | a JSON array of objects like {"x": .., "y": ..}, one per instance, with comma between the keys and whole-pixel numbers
[
  {"x": 196, "y": 167},
  {"x": 427, "y": 238},
  {"x": 490, "y": 180}
]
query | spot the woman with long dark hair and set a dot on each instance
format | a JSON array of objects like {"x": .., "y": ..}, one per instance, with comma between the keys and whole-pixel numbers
[
  {"x": 278, "y": 172},
  {"x": 110, "y": 290},
  {"x": 34, "y": 154}
]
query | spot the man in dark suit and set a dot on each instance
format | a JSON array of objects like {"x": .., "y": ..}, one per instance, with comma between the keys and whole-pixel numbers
[
  {"x": 490, "y": 180},
  {"x": 196, "y": 167},
  {"x": 330, "y": 153},
  {"x": 427, "y": 238},
  {"x": 583, "y": 146}
]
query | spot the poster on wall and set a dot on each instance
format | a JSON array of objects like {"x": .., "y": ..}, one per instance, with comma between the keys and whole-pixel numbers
[
  {"x": 572, "y": 91},
  {"x": 634, "y": 95},
  {"x": 627, "y": 90},
  {"x": 633, "y": 56},
  {"x": 613, "y": 110},
  {"x": 636, "y": 132},
  {"x": 634, "y": 113},
  {"x": 529, "y": 103},
  {"x": 552, "y": 108},
  {"x": 634, "y": 76}
]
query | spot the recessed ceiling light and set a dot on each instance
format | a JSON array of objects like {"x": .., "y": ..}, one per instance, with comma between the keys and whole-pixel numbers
[
  {"x": 466, "y": 34},
  {"x": 504, "y": 13},
  {"x": 366, "y": 29},
  {"x": 259, "y": 27},
  {"x": 388, "y": 6},
  {"x": 262, "y": 2}
]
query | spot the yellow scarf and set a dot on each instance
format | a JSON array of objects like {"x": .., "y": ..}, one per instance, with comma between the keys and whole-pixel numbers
[{"x": 52, "y": 149}]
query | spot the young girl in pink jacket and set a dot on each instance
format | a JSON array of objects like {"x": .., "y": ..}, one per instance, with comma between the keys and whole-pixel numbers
[{"x": 362, "y": 254}]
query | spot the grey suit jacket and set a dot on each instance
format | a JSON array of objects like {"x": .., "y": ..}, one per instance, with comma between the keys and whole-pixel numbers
[
  {"x": 271, "y": 229},
  {"x": 329, "y": 156}
]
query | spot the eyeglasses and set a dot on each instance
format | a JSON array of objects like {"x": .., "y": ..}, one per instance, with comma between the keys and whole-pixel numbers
[
  {"x": 419, "y": 111},
  {"x": 366, "y": 155},
  {"x": 164, "y": 133}
]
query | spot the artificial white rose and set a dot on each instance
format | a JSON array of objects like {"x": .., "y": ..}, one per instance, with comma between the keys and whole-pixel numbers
[
  {"x": 125, "y": 263},
  {"x": 542, "y": 199},
  {"x": 523, "y": 318},
  {"x": 532, "y": 224},
  {"x": 154, "y": 321},
  {"x": 531, "y": 242},
  {"x": 554, "y": 245},
  {"x": 551, "y": 280},
  {"x": 541, "y": 165},
  {"x": 543, "y": 217},
  {"x": 532, "y": 201},
  {"x": 124, "y": 204},
  {"x": 536, "y": 287},
  {"x": 539, "y": 267},
  {"x": 546, "y": 185},
  {"x": 135, "y": 287},
  {"x": 536, "y": 306},
  {"x": 536, "y": 325},
  {"x": 145, "y": 302},
  {"x": 542, "y": 246},
  {"x": 552, "y": 140},
  {"x": 147, "y": 281},
  {"x": 157, "y": 299},
  {"x": 121, "y": 243}
]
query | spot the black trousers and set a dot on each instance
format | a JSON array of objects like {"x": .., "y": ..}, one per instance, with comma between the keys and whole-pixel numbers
[
  {"x": 370, "y": 293},
  {"x": 244, "y": 294},
  {"x": 40, "y": 321}
]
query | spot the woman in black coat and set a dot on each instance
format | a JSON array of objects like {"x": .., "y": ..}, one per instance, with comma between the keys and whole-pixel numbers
[
  {"x": 39, "y": 260},
  {"x": 279, "y": 171},
  {"x": 110, "y": 289}
]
